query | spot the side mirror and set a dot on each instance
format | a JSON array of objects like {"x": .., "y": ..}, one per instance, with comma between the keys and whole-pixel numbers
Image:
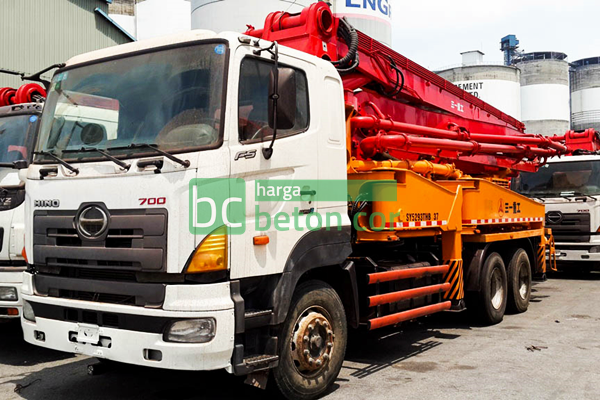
[
  {"x": 20, "y": 164},
  {"x": 286, "y": 104}
]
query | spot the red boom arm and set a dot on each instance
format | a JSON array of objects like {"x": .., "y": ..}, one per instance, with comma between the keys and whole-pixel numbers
[{"x": 405, "y": 110}]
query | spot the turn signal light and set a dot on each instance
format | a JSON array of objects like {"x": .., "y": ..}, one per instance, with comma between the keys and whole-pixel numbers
[
  {"x": 24, "y": 254},
  {"x": 211, "y": 255},
  {"x": 260, "y": 240},
  {"x": 13, "y": 311}
]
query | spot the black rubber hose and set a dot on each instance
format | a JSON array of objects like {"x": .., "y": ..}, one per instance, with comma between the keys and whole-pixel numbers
[{"x": 350, "y": 36}]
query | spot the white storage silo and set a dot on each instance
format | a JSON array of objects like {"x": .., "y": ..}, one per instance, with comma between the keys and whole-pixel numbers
[
  {"x": 234, "y": 15},
  {"x": 372, "y": 17},
  {"x": 496, "y": 84},
  {"x": 145, "y": 19},
  {"x": 585, "y": 94},
  {"x": 161, "y": 17},
  {"x": 545, "y": 93}
]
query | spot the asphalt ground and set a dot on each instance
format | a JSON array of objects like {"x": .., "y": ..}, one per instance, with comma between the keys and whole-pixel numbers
[{"x": 446, "y": 356}]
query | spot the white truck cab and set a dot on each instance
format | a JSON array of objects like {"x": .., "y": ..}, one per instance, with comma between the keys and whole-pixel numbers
[
  {"x": 18, "y": 126},
  {"x": 569, "y": 187},
  {"x": 117, "y": 268}
]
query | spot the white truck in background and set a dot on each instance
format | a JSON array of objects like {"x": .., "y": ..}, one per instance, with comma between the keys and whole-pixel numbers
[
  {"x": 569, "y": 187},
  {"x": 18, "y": 128}
]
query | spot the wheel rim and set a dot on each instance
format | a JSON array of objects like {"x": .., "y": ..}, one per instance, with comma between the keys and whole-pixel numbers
[
  {"x": 497, "y": 289},
  {"x": 313, "y": 341},
  {"x": 523, "y": 280}
]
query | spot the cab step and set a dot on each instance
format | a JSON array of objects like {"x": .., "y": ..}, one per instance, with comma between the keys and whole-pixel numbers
[
  {"x": 257, "y": 318},
  {"x": 261, "y": 361}
]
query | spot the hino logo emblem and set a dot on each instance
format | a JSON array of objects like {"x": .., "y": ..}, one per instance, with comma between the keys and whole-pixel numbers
[
  {"x": 554, "y": 217},
  {"x": 47, "y": 203},
  {"x": 92, "y": 222}
]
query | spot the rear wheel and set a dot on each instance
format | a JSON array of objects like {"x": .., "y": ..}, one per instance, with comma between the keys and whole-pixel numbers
[
  {"x": 312, "y": 342},
  {"x": 491, "y": 299},
  {"x": 519, "y": 282}
]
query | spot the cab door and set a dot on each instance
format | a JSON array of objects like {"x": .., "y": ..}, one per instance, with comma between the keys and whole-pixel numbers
[{"x": 294, "y": 161}]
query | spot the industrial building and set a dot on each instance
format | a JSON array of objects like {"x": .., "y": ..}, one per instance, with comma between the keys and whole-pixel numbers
[
  {"x": 532, "y": 87},
  {"x": 76, "y": 26},
  {"x": 585, "y": 94},
  {"x": 371, "y": 17}
]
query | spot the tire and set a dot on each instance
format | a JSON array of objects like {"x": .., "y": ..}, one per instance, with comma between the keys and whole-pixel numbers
[
  {"x": 299, "y": 376},
  {"x": 491, "y": 299},
  {"x": 519, "y": 282}
]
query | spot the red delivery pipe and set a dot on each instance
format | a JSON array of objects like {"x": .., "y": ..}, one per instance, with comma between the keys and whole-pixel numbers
[
  {"x": 380, "y": 143},
  {"x": 408, "y": 294},
  {"x": 373, "y": 122},
  {"x": 408, "y": 315}
]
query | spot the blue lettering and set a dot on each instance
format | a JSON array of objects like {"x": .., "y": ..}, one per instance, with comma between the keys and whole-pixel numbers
[
  {"x": 371, "y": 3},
  {"x": 383, "y": 7},
  {"x": 350, "y": 4}
]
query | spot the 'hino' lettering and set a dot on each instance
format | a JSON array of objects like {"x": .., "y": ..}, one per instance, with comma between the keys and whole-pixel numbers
[{"x": 46, "y": 203}]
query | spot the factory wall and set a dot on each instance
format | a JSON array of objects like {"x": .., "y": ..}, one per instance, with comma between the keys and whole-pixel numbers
[{"x": 75, "y": 28}]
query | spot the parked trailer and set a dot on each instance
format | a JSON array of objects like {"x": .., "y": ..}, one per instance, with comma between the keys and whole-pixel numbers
[{"x": 130, "y": 261}]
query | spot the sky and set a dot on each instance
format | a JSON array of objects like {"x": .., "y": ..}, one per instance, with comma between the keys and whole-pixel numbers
[{"x": 433, "y": 33}]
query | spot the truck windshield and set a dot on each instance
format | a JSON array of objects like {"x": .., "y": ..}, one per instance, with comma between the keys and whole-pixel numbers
[
  {"x": 170, "y": 98},
  {"x": 562, "y": 179},
  {"x": 14, "y": 132}
]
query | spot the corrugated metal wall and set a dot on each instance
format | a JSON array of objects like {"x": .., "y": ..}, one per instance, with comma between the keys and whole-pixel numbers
[{"x": 37, "y": 33}]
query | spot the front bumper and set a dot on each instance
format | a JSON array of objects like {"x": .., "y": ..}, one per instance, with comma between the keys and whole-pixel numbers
[
  {"x": 576, "y": 255},
  {"x": 140, "y": 343},
  {"x": 12, "y": 277}
]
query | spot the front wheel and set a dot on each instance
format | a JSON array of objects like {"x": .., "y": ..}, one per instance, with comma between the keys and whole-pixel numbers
[{"x": 312, "y": 342}]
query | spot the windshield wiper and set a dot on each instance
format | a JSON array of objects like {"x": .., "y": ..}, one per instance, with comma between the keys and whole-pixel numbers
[
  {"x": 58, "y": 159},
  {"x": 578, "y": 194},
  {"x": 120, "y": 163},
  {"x": 153, "y": 147}
]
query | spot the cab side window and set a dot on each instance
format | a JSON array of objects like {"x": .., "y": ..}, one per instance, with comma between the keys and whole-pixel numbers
[{"x": 253, "y": 107}]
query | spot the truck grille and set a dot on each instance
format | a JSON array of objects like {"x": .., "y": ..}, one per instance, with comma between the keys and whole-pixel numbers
[
  {"x": 572, "y": 227},
  {"x": 72, "y": 266},
  {"x": 136, "y": 240}
]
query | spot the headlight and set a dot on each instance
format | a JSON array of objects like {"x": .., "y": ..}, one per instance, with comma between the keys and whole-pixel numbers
[
  {"x": 28, "y": 313},
  {"x": 201, "y": 330},
  {"x": 8, "y": 294}
]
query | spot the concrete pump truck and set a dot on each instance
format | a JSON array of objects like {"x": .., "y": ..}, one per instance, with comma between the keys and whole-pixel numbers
[
  {"x": 20, "y": 110},
  {"x": 238, "y": 201}
]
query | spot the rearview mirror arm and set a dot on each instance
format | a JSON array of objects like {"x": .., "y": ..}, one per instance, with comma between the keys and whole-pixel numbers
[{"x": 274, "y": 51}]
